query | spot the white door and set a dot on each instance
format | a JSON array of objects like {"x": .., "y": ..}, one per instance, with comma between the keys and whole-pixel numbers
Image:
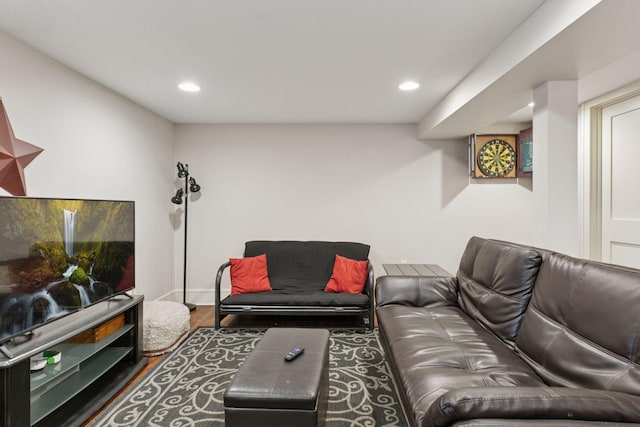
[{"x": 621, "y": 183}]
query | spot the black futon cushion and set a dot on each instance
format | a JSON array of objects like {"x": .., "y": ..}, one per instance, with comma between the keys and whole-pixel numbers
[
  {"x": 298, "y": 299},
  {"x": 297, "y": 266}
]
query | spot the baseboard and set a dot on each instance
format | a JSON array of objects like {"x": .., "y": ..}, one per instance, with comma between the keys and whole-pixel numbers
[{"x": 194, "y": 296}]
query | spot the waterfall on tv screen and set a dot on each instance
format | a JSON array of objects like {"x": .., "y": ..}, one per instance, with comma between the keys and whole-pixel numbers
[
  {"x": 69, "y": 228},
  {"x": 58, "y": 256}
]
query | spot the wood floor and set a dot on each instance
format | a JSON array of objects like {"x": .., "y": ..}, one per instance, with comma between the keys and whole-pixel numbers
[{"x": 204, "y": 316}]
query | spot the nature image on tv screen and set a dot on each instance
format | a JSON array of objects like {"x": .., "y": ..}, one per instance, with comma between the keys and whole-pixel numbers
[{"x": 60, "y": 255}]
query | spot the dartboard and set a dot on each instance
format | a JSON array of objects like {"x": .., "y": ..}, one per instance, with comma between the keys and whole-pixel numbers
[{"x": 496, "y": 158}]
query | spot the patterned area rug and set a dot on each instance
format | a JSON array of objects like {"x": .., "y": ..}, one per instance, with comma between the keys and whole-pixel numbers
[{"x": 186, "y": 388}]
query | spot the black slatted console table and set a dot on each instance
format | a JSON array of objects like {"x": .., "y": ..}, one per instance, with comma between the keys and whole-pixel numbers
[{"x": 427, "y": 270}]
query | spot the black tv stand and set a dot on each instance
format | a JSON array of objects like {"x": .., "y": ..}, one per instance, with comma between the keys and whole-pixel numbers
[{"x": 89, "y": 374}]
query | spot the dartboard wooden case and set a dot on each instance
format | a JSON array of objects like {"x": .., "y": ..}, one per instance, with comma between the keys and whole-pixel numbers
[{"x": 493, "y": 156}]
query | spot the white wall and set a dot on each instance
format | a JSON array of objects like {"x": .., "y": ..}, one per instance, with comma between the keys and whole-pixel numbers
[
  {"x": 555, "y": 166},
  {"x": 622, "y": 72},
  {"x": 96, "y": 145},
  {"x": 410, "y": 200}
]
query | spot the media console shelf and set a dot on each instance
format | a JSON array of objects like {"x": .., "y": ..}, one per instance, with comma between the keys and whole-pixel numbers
[{"x": 88, "y": 376}]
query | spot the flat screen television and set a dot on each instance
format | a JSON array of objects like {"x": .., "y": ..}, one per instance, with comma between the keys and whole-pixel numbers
[{"x": 58, "y": 256}]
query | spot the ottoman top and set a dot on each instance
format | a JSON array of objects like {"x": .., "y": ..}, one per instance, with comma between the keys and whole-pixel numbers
[{"x": 266, "y": 380}]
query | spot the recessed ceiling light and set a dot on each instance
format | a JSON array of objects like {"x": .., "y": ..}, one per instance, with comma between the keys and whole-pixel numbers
[
  {"x": 189, "y": 87},
  {"x": 407, "y": 86}
]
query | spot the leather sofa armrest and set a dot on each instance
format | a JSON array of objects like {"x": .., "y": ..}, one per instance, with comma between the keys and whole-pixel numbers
[
  {"x": 556, "y": 403},
  {"x": 504, "y": 422},
  {"x": 416, "y": 291},
  {"x": 218, "y": 285}
]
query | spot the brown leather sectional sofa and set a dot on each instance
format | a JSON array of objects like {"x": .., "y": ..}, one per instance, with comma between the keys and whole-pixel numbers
[{"x": 520, "y": 336}]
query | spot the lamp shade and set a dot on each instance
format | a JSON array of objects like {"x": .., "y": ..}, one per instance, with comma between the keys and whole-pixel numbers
[
  {"x": 193, "y": 185},
  {"x": 182, "y": 171},
  {"x": 177, "y": 199}
]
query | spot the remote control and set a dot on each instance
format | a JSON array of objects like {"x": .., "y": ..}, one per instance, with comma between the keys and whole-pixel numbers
[{"x": 293, "y": 354}]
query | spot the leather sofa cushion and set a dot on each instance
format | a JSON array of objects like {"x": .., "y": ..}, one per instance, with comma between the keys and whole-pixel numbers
[
  {"x": 417, "y": 291},
  {"x": 495, "y": 282},
  {"x": 438, "y": 349},
  {"x": 578, "y": 330},
  {"x": 303, "y": 266},
  {"x": 516, "y": 403}
]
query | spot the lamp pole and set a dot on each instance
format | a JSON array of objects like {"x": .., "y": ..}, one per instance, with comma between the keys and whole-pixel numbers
[
  {"x": 190, "y": 186},
  {"x": 186, "y": 219}
]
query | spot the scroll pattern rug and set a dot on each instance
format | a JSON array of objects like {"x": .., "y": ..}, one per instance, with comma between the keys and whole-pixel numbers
[{"x": 186, "y": 388}]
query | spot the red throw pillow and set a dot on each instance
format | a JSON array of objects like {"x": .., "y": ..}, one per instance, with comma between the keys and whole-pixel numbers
[
  {"x": 249, "y": 275},
  {"x": 348, "y": 275}
]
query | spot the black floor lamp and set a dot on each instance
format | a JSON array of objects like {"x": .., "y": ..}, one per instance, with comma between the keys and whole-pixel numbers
[{"x": 190, "y": 186}]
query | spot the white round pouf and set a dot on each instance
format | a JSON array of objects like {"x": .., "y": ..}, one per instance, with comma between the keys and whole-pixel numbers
[{"x": 165, "y": 326}]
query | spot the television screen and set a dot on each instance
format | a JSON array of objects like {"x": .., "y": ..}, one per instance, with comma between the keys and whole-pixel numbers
[{"x": 60, "y": 255}]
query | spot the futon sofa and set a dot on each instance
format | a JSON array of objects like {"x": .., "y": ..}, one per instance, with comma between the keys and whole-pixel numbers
[
  {"x": 298, "y": 273},
  {"x": 520, "y": 336}
]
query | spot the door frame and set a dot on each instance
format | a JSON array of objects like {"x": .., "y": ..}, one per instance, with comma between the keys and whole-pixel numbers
[{"x": 590, "y": 167}]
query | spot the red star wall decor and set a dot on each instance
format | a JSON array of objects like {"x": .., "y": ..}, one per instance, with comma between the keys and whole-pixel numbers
[{"x": 15, "y": 155}]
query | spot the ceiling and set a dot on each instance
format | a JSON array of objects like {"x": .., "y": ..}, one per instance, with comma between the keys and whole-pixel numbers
[{"x": 302, "y": 61}]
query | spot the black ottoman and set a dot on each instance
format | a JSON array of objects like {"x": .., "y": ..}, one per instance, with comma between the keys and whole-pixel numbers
[{"x": 268, "y": 391}]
